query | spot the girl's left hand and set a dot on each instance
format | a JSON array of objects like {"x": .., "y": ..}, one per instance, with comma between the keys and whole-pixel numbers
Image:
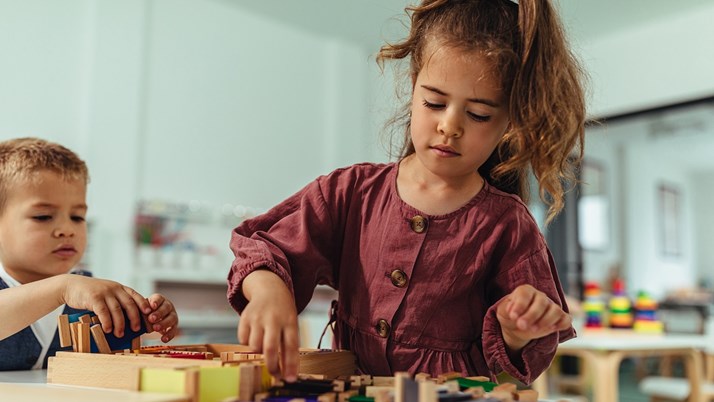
[
  {"x": 163, "y": 317},
  {"x": 528, "y": 314}
]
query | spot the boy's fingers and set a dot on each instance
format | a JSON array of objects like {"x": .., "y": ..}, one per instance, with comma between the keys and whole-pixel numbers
[
  {"x": 169, "y": 335},
  {"x": 117, "y": 315},
  {"x": 139, "y": 300},
  {"x": 168, "y": 321},
  {"x": 131, "y": 308},
  {"x": 104, "y": 317}
]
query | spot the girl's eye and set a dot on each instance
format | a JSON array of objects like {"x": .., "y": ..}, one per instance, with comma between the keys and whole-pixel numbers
[
  {"x": 435, "y": 106},
  {"x": 478, "y": 117},
  {"x": 78, "y": 218},
  {"x": 42, "y": 218}
]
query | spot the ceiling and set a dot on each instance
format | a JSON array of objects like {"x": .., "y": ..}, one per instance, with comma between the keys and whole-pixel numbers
[{"x": 369, "y": 22}]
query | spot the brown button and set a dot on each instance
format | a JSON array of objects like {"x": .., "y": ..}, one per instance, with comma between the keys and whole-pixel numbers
[
  {"x": 418, "y": 223},
  {"x": 383, "y": 328},
  {"x": 399, "y": 278}
]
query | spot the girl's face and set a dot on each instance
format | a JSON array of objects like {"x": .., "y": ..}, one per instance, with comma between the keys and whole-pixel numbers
[
  {"x": 42, "y": 227},
  {"x": 458, "y": 113}
]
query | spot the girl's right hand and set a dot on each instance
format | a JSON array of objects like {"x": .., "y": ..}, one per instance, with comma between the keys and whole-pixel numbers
[
  {"x": 269, "y": 325},
  {"x": 109, "y": 300}
]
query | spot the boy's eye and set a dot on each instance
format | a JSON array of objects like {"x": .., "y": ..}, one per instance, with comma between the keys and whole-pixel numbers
[
  {"x": 435, "y": 106},
  {"x": 42, "y": 218},
  {"x": 78, "y": 218}
]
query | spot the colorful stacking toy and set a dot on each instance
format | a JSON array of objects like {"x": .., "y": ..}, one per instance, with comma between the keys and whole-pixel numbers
[
  {"x": 620, "y": 306},
  {"x": 646, "y": 314},
  {"x": 593, "y": 306}
]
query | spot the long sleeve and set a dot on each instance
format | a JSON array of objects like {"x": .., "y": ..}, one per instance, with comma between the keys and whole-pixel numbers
[
  {"x": 537, "y": 269},
  {"x": 296, "y": 240}
]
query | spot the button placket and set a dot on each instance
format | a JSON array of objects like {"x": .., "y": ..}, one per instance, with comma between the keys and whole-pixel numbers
[
  {"x": 398, "y": 278},
  {"x": 382, "y": 328},
  {"x": 418, "y": 223}
]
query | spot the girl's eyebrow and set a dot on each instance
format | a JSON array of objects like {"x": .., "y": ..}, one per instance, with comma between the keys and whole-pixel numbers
[{"x": 488, "y": 102}]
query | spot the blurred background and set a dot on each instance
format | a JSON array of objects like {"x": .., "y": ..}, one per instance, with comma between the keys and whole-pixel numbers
[{"x": 196, "y": 114}]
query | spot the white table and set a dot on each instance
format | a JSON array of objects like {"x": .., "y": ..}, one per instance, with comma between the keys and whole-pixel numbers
[
  {"x": 604, "y": 350},
  {"x": 31, "y": 386}
]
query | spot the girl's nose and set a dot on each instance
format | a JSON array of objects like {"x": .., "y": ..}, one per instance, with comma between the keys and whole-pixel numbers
[{"x": 450, "y": 124}]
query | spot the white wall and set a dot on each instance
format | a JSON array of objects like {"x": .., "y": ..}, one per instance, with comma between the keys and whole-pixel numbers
[
  {"x": 199, "y": 99},
  {"x": 651, "y": 65},
  {"x": 182, "y": 100},
  {"x": 662, "y": 63}
]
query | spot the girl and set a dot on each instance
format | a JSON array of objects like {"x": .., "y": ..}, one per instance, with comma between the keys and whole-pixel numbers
[{"x": 438, "y": 263}]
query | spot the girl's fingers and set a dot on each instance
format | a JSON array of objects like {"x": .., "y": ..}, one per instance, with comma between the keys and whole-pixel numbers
[
  {"x": 290, "y": 353},
  {"x": 243, "y": 332},
  {"x": 271, "y": 351},
  {"x": 536, "y": 310}
]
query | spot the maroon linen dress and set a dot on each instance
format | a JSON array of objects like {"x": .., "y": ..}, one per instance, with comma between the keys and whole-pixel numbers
[{"x": 417, "y": 292}]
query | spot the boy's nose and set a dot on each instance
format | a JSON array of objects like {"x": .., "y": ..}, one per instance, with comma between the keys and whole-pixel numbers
[{"x": 63, "y": 231}]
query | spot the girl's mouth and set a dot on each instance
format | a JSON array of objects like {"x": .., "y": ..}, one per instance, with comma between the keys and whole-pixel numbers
[{"x": 445, "y": 151}]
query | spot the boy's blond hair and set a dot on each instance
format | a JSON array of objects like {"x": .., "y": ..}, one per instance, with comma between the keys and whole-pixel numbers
[{"x": 22, "y": 158}]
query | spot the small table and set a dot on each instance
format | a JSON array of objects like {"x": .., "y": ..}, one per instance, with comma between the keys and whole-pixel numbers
[
  {"x": 30, "y": 386},
  {"x": 604, "y": 350}
]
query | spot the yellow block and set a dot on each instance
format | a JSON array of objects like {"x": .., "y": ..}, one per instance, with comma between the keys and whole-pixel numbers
[
  {"x": 168, "y": 381},
  {"x": 217, "y": 383}
]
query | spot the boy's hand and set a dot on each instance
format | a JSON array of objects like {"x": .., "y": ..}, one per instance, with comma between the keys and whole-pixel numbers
[
  {"x": 269, "y": 325},
  {"x": 163, "y": 317},
  {"x": 107, "y": 299},
  {"x": 528, "y": 314}
]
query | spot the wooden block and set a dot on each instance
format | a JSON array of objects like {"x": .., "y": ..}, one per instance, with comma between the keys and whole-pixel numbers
[
  {"x": 87, "y": 319},
  {"x": 442, "y": 378},
  {"x": 507, "y": 387},
  {"x": 217, "y": 383},
  {"x": 65, "y": 336},
  {"x": 99, "y": 339},
  {"x": 345, "y": 396},
  {"x": 136, "y": 344},
  {"x": 259, "y": 397},
  {"x": 503, "y": 396},
  {"x": 74, "y": 329},
  {"x": 422, "y": 376},
  {"x": 246, "y": 382},
  {"x": 383, "y": 396},
  {"x": 95, "y": 319},
  {"x": 452, "y": 386},
  {"x": 528, "y": 395},
  {"x": 84, "y": 338},
  {"x": 476, "y": 392},
  {"x": 427, "y": 392},
  {"x": 480, "y": 378},
  {"x": 109, "y": 371},
  {"x": 371, "y": 391},
  {"x": 327, "y": 397},
  {"x": 381, "y": 380}
]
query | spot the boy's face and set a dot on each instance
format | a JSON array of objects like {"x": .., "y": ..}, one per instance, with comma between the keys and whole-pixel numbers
[{"x": 43, "y": 231}]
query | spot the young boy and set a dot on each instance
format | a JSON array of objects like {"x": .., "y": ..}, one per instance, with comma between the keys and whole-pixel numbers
[{"x": 43, "y": 235}]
